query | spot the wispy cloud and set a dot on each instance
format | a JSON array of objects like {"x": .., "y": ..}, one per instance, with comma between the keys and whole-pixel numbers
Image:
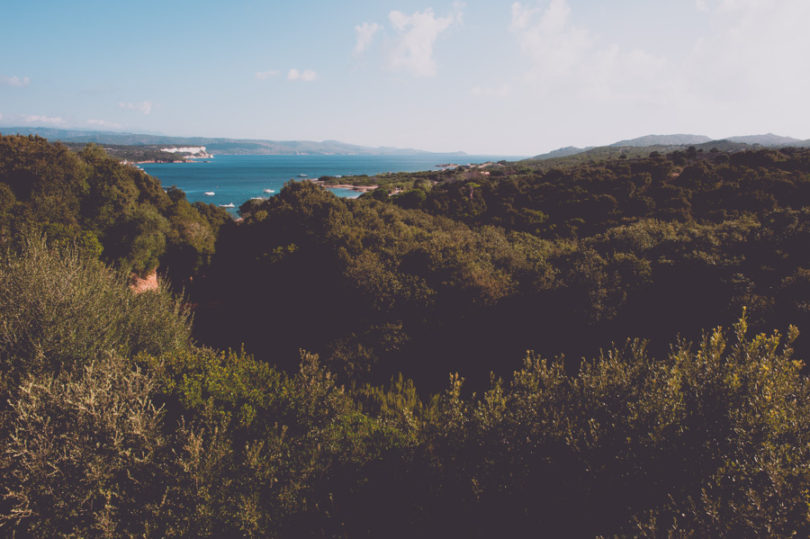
[
  {"x": 554, "y": 46},
  {"x": 750, "y": 55},
  {"x": 103, "y": 123},
  {"x": 39, "y": 119},
  {"x": 307, "y": 75},
  {"x": 504, "y": 90},
  {"x": 417, "y": 34},
  {"x": 15, "y": 81},
  {"x": 570, "y": 61},
  {"x": 264, "y": 75},
  {"x": 365, "y": 35},
  {"x": 745, "y": 60},
  {"x": 144, "y": 107}
]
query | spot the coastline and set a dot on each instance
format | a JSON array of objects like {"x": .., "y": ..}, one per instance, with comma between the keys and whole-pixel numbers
[
  {"x": 237, "y": 178},
  {"x": 149, "y": 162}
]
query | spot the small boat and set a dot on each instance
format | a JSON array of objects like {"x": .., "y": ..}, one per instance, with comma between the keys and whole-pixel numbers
[
  {"x": 228, "y": 205},
  {"x": 269, "y": 190},
  {"x": 302, "y": 175},
  {"x": 209, "y": 193}
]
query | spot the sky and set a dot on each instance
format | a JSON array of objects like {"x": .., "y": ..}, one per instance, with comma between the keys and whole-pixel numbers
[{"x": 484, "y": 77}]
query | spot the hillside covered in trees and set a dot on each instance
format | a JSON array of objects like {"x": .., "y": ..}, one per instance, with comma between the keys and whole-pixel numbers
[
  {"x": 467, "y": 271},
  {"x": 499, "y": 351},
  {"x": 112, "y": 211}
]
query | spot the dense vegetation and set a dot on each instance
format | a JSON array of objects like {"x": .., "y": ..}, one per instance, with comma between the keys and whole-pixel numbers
[
  {"x": 121, "y": 417},
  {"x": 119, "y": 426},
  {"x": 470, "y": 272},
  {"x": 112, "y": 211}
]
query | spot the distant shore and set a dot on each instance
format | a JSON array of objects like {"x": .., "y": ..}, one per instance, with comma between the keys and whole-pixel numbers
[{"x": 151, "y": 161}]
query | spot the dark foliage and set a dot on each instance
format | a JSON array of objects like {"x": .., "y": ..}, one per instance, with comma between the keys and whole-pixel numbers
[
  {"x": 710, "y": 439},
  {"x": 490, "y": 266}
]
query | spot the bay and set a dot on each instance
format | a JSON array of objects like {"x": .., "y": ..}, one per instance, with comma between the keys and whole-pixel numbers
[{"x": 234, "y": 179}]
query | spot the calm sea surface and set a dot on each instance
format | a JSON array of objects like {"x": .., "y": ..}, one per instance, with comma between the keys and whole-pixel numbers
[{"x": 236, "y": 178}]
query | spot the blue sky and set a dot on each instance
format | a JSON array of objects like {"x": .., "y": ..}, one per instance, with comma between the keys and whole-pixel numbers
[{"x": 478, "y": 76}]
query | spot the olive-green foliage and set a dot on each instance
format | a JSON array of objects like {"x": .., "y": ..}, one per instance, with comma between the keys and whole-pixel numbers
[
  {"x": 263, "y": 453},
  {"x": 712, "y": 440},
  {"x": 82, "y": 454},
  {"x": 58, "y": 309}
]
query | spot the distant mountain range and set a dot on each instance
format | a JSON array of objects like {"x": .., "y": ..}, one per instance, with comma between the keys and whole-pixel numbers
[
  {"x": 214, "y": 145},
  {"x": 334, "y": 147},
  {"x": 668, "y": 142}
]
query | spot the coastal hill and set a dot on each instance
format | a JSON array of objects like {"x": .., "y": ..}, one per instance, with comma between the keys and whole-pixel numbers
[
  {"x": 642, "y": 146},
  {"x": 213, "y": 145},
  {"x": 663, "y": 140},
  {"x": 770, "y": 139},
  {"x": 679, "y": 141}
]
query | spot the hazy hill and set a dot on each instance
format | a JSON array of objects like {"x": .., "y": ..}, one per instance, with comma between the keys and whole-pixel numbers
[
  {"x": 768, "y": 139},
  {"x": 649, "y": 141},
  {"x": 664, "y": 140},
  {"x": 641, "y": 146},
  {"x": 214, "y": 145},
  {"x": 562, "y": 152}
]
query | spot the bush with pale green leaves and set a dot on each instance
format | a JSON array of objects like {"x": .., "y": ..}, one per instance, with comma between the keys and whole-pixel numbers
[{"x": 59, "y": 310}]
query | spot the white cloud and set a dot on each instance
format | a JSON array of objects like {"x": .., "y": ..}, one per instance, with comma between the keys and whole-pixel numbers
[
  {"x": 749, "y": 56},
  {"x": 738, "y": 68},
  {"x": 103, "y": 123},
  {"x": 307, "y": 75},
  {"x": 754, "y": 53},
  {"x": 417, "y": 33},
  {"x": 554, "y": 46},
  {"x": 567, "y": 60},
  {"x": 264, "y": 75},
  {"x": 504, "y": 90},
  {"x": 144, "y": 107},
  {"x": 38, "y": 119},
  {"x": 365, "y": 35},
  {"x": 15, "y": 81}
]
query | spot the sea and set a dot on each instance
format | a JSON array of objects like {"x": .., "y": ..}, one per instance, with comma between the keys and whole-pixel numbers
[{"x": 227, "y": 180}]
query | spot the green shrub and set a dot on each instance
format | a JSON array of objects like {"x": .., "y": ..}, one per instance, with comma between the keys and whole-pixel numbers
[
  {"x": 58, "y": 309},
  {"x": 713, "y": 440},
  {"x": 83, "y": 453}
]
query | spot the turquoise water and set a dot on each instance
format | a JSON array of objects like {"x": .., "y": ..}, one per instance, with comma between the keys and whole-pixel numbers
[{"x": 236, "y": 178}]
